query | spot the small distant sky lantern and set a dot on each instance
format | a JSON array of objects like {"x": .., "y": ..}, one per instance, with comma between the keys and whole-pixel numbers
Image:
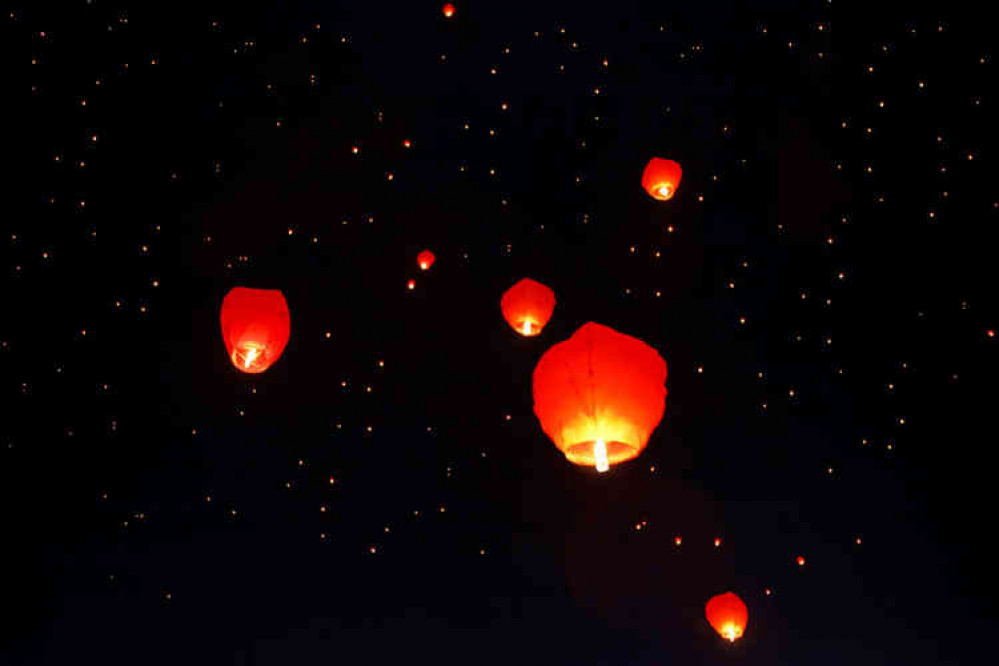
[
  {"x": 599, "y": 395},
  {"x": 728, "y": 615},
  {"x": 256, "y": 326},
  {"x": 661, "y": 178},
  {"x": 448, "y": 10},
  {"x": 426, "y": 259},
  {"x": 527, "y": 306}
]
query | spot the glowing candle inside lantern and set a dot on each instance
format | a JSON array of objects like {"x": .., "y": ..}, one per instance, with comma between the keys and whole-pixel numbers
[
  {"x": 600, "y": 454},
  {"x": 247, "y": 353},
  {"x": 730, "y": 632},
  {"x": 528, "y": 327},
  {"x": 664, "y": 191}
]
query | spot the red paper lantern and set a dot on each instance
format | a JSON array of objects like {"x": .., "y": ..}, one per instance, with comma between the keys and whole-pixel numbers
[
  {"x": 661, "y": 178},
  {"x": 527, "y": 306},
  {"x": 448, "y": 10},
  {"x": 255, "y": 327},
  {"x": 728, "y": 615},
  {"x": 599, "y": 395},
  {"x": 426, "y": 259}
]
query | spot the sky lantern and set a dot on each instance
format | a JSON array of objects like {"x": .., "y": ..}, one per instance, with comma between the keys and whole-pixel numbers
[
  {"x": 728, "y": 615},
  {"x": 448, "y": 10},
  {"x": 599, "y": 395},
  {"x": 426, "y": 259},
  {"x": 661, "y": 178},
  {"x": 527, "y": 306},
  {"x": 255, "y": 327}
]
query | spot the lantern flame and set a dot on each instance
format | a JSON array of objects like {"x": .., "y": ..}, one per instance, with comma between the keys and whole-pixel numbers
[
  {"x": 251, "y": 355},
  {"x": 730, "y": 632},
  {"x": 600, "y": 455},
  {"x": 664, "y": 191},
  {"x": 528, "y": 327}
]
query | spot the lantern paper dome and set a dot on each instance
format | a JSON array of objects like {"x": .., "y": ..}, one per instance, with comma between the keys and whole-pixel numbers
[
  {"x": 599, "y": 395},
  {"x": 661, "y": 178},
  {"x": 728, "y": 615},
  {"x": 527, "y": 306},
  {"x": 426, "y": 259},
  {"x": 256, "y": 326}
]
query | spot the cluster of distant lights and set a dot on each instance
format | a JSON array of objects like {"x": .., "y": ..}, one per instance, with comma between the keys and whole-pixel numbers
[{"x": 449, "y": 11}]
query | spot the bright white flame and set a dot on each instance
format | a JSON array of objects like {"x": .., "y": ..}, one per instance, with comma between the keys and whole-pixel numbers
[
  {"x": 423, "y": 265},
  {"x": 251, "y": 355},
  {"x": 600, "y": 453},
  {"x": 528, "y": 327},
  {"x": 664, "y": 191},
  {"x": 730, "y": 632}
]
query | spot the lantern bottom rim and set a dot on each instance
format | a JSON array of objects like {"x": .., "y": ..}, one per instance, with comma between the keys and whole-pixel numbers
[{"x": 582, "y": 453}]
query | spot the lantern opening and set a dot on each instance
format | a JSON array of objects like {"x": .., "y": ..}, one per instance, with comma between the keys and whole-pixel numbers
[
  {"x": 423, "y": 265},
  {"x": 664, "y": 191},
  {"x": 600, "y": 454},
  {"x": 731, "y": 632},
  {"x": 527, "y": 328}
]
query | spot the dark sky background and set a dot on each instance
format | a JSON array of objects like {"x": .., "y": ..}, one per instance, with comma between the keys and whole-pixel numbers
[{"x": 161, "y": 507}]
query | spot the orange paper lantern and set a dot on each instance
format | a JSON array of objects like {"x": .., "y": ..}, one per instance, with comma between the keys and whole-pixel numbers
[
  {"x": 599, "y": 395},
  {"x": 527, "y": 306},
  {"x": 255, "y": 327},
  {"x": 728, "y": 615},
  {"x": 661, "y": 178},
  {"x": 448, "y": 10},
  {"x": 426, "y": 259}
]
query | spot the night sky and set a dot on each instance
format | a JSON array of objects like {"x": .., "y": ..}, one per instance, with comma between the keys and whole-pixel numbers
[{"x": 822, "y": 288}]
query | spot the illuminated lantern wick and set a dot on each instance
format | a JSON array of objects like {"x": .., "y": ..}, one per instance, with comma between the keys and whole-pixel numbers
[
  {"x": 423, "y": 265},
  {"x": 600, "y": 455},
  {"x": 247, "y": 355},
  {"x": 730, "y": 632},
  {"x": 664, "y": 191},
  {"x": 528, "y": 327},
  {"x": 251, "y": 354}
]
